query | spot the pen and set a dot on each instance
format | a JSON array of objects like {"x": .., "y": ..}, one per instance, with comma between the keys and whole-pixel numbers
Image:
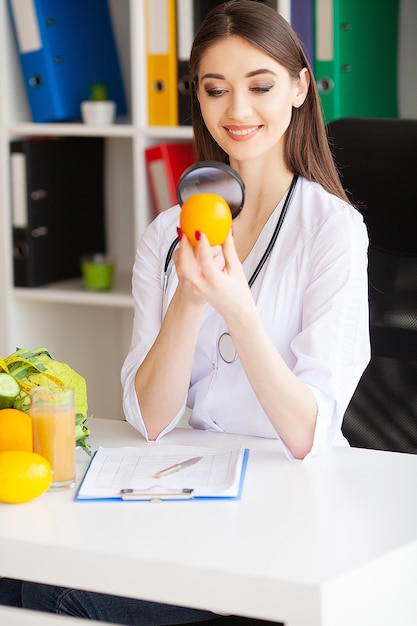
[{"x": 177, "y": 467}]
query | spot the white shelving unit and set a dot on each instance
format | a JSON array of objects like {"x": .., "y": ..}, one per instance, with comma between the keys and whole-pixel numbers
[{"x": 90, "y": 331}]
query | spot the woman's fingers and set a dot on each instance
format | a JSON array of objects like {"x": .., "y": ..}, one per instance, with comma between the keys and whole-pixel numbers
[
  {"x": 229, "y": 252},
  {"x": 209, "y": 258},
  {"x": 184, "y": 258},
  {"x": 208, "y": 269}
]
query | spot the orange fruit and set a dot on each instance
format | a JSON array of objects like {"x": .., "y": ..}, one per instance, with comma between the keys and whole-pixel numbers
[
  {"x": 23, "y": 476},
  {"x": 15, "y": 430},
  {"x": 208, "y": 213}
]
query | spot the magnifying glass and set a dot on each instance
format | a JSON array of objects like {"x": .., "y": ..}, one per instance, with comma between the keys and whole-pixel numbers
[
  {"x": 208, "y": 177},
  {"x": 213, "y": 177}
]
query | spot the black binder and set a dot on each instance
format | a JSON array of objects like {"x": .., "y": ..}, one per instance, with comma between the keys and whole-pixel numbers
[
  {"x": 190, "y": 15},
  {"x": 58, "y": 207}
]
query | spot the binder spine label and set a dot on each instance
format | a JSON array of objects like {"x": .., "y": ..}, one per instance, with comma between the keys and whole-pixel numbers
[
  {"x": 324, "y": 30},
  {"x": 158, "y": 30},
  {"x": 19, "y": 192},
  {"x": 161, "y": 188},
  {"x": 26, "y": 24},
  {"x": 185, "y": 29}
]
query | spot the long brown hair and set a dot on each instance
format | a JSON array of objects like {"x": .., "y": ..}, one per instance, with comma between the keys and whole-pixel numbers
[{"x": 307, "y": 146}]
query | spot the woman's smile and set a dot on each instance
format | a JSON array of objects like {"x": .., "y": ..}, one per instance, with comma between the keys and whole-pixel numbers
[{"x": 242, "y": 133}]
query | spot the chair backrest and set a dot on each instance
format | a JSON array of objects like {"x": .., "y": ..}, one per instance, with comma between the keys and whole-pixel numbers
[{"x": 377, "y": 161}]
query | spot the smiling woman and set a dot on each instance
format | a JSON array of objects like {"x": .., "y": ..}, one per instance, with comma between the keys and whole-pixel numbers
[{"x": 255, "y": 107}]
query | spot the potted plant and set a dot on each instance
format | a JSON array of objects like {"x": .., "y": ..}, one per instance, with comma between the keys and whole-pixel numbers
[{"x": 98, "y": 110}]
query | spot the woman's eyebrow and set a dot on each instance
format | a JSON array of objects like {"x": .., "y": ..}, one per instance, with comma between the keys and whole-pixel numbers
[
  {"x": 261, "y": 70},
  {"x": 212, "y": 75}
]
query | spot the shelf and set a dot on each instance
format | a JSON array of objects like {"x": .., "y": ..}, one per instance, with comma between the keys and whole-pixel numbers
[
  {"x": 168, "y": 133},
  {"x": 118, "y": 130},
  {"x": 73, "y": 292},
  {"x": 72, "y": 129}
]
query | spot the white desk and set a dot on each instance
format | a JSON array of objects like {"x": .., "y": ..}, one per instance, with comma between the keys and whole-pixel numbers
[{"x": 328, "y": 542}]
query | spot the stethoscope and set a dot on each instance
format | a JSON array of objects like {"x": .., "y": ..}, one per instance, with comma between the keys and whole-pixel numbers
[{"x": 220, "y": 178}]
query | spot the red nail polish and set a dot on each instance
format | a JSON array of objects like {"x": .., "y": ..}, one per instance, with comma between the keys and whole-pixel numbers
[
  {"x": 197, "y": 235},
  {"x": 179, "y": 233}
]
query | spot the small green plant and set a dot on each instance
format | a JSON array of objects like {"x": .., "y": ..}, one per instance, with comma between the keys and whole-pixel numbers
[{"x": 99, "y": 92}]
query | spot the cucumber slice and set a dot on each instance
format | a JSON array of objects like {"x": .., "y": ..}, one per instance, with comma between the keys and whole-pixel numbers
[{"x": 9, "y": 390}]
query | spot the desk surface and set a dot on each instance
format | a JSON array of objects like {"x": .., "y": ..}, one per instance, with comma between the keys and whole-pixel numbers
[{"x": 328, "y": 542}]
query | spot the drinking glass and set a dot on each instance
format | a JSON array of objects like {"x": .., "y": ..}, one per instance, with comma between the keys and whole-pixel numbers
[{"x": 53, "y": 414}]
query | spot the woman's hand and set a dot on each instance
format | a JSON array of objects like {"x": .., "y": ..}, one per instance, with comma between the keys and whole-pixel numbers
[{"x": 213, "y": 274}]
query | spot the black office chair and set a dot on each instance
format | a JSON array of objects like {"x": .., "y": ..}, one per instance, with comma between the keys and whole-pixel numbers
[{"x": 377, "y": 160}]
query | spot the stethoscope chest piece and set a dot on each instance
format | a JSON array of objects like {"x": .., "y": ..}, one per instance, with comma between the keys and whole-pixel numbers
[{"x": 227, "y": 349}]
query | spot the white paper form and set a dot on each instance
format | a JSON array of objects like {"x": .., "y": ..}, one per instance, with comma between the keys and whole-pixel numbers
[{"x": 217, "y": 474}]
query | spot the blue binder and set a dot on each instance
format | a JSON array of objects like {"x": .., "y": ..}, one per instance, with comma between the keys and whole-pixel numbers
[{"x": 65, "y": 47}]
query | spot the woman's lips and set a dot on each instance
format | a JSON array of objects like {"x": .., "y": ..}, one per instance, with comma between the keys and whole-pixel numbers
[{"x": 242, "y": 133}]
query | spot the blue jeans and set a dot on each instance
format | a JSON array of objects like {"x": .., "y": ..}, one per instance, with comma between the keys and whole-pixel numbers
[{"x": 96, "y": 606}]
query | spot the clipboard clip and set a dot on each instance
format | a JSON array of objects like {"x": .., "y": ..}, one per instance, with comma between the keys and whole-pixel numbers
[{"x": 153, "y": 495}]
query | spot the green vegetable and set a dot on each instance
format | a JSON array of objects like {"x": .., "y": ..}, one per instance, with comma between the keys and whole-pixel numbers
[
  {"x": 36, "y": 368},
  {"x": 9, "y": 390}
]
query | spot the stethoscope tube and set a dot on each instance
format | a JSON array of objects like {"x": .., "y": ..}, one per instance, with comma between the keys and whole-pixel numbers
[
  {"x": 169, "y": 255},
  {"x": 275, "y": 234}
]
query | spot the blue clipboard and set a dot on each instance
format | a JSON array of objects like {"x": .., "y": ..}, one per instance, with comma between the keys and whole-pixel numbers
[{"x": 163, "y": 494}]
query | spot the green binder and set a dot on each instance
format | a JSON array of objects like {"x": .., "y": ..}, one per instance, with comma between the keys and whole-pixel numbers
[{"x": 356, "y": 43}]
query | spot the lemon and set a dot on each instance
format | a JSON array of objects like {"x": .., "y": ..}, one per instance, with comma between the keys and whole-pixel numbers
[
  {"x": 23, "y": 476},
  {"x": 9, "y": 390}
]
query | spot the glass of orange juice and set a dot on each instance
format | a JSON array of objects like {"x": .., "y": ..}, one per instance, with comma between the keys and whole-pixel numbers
[{"x": 53, "y": 414}]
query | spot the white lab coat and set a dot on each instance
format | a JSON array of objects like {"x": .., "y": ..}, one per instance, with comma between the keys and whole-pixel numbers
[{"x": 312, "y": 296}]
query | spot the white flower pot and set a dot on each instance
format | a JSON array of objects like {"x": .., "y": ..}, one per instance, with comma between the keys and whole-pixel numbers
[{"x": 98, "y": 113}]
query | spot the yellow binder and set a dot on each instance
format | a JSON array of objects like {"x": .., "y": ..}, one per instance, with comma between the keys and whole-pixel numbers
[{"x": 161, "y": 63}]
